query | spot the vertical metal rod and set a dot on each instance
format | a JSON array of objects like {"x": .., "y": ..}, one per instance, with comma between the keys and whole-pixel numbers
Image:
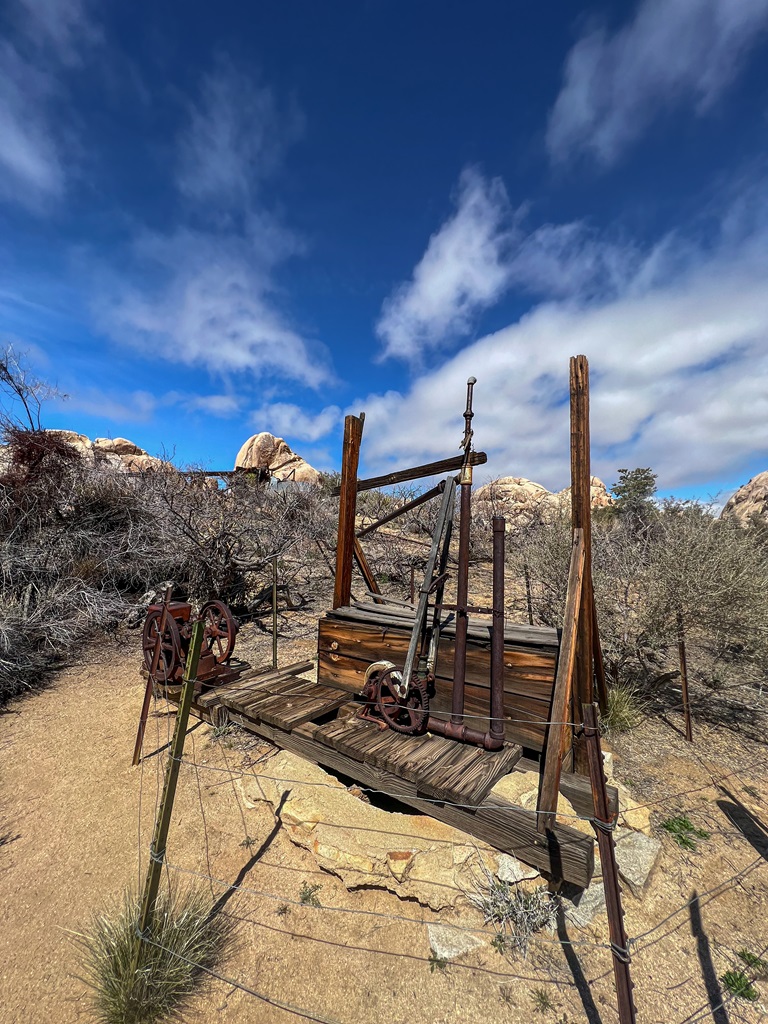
[
  {"x": 684, "y": 675},
  {"x": 151, "y": 678},
  {"x": 274, "y": 611},
  {"x": 603, "y": 825},
  {"x": 160, "y": 835},
  {"x": 462, "y": 590},
  {"x": 462, "y": 579},
  {"x": 497, "y": 632},
  {"x": 528, "y": 594}
]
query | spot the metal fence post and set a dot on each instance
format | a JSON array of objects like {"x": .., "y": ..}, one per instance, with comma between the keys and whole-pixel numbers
[
  {"x": 603, "y": 824},
  {"x": 163, "y": 821}
]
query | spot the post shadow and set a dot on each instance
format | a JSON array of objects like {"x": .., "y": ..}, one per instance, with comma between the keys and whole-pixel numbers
[
  {"x": 753, "y": 830},
  {"x": 582, "y": 985},
  {"x": 711, "y": 983},
  {"x": 226, "y": 896}
]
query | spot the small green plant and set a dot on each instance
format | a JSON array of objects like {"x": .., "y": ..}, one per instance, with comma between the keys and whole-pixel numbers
[
  {"x": 739, "y": 985},
  {"x": 283, "y": 910},
  {"x": 753, "y": 962},
  {"x": 437, "y": 963},
  {"x": 541, "y": 1000},
  {"x": 249, "y": 842},
  {"x": 751, "y": 791},
  {"x": 683, "y": 831},
  {"x": 308, "y": 895},
  {"x": 184, "y": 938},
  {"x": 625, "y": 709}
]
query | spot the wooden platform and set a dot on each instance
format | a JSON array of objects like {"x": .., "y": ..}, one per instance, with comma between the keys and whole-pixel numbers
[{"x": 435, "y": 776}]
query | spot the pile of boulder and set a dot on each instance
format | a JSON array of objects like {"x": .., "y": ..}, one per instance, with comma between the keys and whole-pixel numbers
[
  {"x": 267, "y": 452},
  {"x": 750, "y": 500},
  {"x": 523, "y": 501}
]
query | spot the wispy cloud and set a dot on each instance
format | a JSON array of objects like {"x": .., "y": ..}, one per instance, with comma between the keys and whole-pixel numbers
[
  {"x": 47, "y": 41},
  {"x": 678, "y": 345},
  {"x": 672, "y": 53},
  {"x": 288, "y": 420},
  {"x": 207, "y": 293},
  {"x": 463, "y": 271},
  {"x": 237, "y": 136}
]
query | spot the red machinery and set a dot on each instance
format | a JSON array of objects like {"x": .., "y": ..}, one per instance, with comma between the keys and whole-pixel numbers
[{"x": 168, "y": 626}]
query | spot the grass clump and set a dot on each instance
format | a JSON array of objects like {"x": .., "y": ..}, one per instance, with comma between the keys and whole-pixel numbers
[
  {"x": 437, "y": 963},
  {"x": 683, "y": 831},
  {"x": 739, "y": 985},
  {"x": 624, "y": 709},
  {"x": 308, "y": 895},
  {"x": 191, "y": 938},
  {"x": 516, "y": 913},
  {"x": 542, "y": 1003},
  {"x": 754, "y": 962}
]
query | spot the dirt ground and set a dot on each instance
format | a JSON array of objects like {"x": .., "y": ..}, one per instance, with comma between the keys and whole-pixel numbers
[{"x": 76, "y": 821}]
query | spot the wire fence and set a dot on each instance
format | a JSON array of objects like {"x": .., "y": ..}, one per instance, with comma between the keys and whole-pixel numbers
[{"x": 638, "y": 944}]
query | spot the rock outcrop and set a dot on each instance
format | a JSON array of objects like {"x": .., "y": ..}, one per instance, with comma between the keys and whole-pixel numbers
[
  {"x": 265, "y": 451},
  {"x": 117, "y": 453},
  {"x": 522, "y": 501},
  {"x": 750, "y": 500}
]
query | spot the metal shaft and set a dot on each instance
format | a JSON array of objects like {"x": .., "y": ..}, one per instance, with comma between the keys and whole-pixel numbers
[{"x": 497, "y": 632}]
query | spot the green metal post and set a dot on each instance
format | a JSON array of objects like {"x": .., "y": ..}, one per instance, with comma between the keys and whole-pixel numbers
[{"x": 160, "y": 836}]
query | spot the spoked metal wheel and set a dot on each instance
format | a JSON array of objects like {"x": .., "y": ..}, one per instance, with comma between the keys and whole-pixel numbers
[
  {"x": 408, "y": 714},
  {"x": 169, "y": 640},
  {"x": 220, "y": 630}
]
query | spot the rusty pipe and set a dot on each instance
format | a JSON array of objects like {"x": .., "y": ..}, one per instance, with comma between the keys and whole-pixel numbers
[
  {"x": 462, "y": 587},
  {"x": 497, "y": 631},
  {"x": 463, "y": 734}
]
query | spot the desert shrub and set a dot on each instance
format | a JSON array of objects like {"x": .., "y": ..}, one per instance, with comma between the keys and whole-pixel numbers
[{"x": 186, "y": 939}]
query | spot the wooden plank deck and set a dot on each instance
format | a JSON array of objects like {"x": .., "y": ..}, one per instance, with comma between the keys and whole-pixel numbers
[{"x": 431, "y": 774}]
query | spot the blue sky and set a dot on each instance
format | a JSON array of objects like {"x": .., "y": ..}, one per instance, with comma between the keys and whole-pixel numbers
[{"x": 222, "y": 218}]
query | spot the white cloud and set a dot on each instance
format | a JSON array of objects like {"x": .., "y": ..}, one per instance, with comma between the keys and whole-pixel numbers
[
  {"x": 287, "y": 420},
  {"x": 207, "y": 295},
  {"x": 133, "y": 407},
  {"x": 463, "y": 271},
  {"x": 673, "y": 53},
  {"x": 678, "y": 347},
  {"x": 49, "y": 38}
]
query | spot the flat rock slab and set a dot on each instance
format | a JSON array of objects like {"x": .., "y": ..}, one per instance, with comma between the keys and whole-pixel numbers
[
  {"x": 449, "y": 943},
  {"x": 636, "y": 856},
  {"x": 581, "y": 909},
  {"x": 513, "y": 870}
]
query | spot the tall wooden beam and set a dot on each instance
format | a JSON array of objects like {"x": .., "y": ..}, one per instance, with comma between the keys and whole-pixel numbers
[
  {"x": 581, "y": 519},
  {"x": 345, "y": 545},
  {"x": 559, "y": 728}
]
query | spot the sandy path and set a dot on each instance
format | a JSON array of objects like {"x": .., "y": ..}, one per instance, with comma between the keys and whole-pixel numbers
[{"x": 69, "y": 793}]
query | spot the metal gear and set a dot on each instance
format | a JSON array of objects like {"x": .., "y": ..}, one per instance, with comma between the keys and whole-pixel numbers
[{"x": 408, "y": 714}]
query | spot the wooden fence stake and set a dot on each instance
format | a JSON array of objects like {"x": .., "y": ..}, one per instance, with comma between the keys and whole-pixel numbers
[
  {"x": 345, "y": 545},
  {"x": 151, "y": 679},
  {"x": 603, "y": 824},
  {"x": 581, "y": 518},
  {"x": 684, "y": 675},
  {"x": 559, "y": 727},
  {"x": 163, "y": 821}
]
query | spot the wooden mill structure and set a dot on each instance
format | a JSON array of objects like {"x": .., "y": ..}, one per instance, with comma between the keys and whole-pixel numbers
[{"x": 427, "y": 703}]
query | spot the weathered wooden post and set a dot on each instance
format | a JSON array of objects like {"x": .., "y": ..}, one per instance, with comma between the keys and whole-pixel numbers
[
  {"x": 345, "y": 545},
  {"x": 160, "y": 835},
  {"x": 588, "y": 656}
]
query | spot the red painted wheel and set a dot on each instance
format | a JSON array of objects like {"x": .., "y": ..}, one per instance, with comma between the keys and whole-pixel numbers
[
  {"x": 408, "y": 714},
  {"x": 220, "y": 630},
  {"x": 170, "y": 645}
]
